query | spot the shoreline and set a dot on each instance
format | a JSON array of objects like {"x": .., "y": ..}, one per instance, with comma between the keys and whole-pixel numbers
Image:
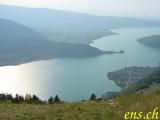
[
  {"x": 20, "y": 62},
  {"x": 92, "y": 41}
]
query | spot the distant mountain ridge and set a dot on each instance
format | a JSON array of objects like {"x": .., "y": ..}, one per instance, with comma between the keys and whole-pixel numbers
[
  {"x": 20, "y": 44},
  {"x": 71, "y": 27}
]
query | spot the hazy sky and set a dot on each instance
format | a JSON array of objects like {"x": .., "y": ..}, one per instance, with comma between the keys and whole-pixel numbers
[{"x": 133, "y": 8}]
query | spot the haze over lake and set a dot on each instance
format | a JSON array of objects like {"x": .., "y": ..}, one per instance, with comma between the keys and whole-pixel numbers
[{"x": 76, "y": 79}]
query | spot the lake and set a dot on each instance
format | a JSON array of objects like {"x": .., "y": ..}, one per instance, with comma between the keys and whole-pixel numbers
[{"x": 76, "y": 79}]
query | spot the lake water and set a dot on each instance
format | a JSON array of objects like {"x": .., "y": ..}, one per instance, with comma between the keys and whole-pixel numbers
[{"x": 77, "y": 79}]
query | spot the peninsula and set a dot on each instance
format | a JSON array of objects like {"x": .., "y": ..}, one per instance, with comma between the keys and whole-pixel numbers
[
  {"x": 151, "y": 41},
  {"x": 127, "y": 76},
  {"x": 21, "y": 44}
]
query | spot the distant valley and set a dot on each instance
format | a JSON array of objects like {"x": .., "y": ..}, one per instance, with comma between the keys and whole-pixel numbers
[{"x": 63, "y": 26}]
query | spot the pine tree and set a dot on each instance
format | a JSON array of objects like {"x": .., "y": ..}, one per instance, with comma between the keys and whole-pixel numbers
[
  {"x": 93, "y": 97},
  {"x": 56, "y": 99},
  {"x": 35, "y": 99},
  {"x": 18, "y": 99},
  {"x": 28, "y": 98},
  {"x": 50, "y": 100}
]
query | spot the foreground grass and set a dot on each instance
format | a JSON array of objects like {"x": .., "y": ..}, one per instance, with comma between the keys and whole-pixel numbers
[
  {"x": 76, "y": 111},
  {"x": 113, "y": 109}
]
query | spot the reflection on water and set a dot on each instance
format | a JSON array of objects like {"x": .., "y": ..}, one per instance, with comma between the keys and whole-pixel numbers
[
  {"x": 71, "y": 79},
  {"x": 76, "y": 79},
  {"x": 22, "y": 79},
  {"x": 7, "y": 83}
]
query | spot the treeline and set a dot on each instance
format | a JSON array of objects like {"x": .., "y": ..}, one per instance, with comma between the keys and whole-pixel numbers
[
  {"x": 33, "y": 99},
  {"x": 28, "y": 99}
]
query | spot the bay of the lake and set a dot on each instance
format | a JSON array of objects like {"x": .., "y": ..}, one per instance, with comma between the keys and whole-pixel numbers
[{"x": 76, "y": 79}]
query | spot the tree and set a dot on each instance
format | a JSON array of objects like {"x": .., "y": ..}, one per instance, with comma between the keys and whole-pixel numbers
[
  {"x": 93, "y": 97},
  {"x": 2, "y": 97},
  {"x": 50, "y": 100},
  {"x": 18, "y": 99},
  {"x": 28, "y": 98},
  {"x": 8, "y": 97},
  {"x": 56, "y": 99},
  {"x": 35, "y": 99}
]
